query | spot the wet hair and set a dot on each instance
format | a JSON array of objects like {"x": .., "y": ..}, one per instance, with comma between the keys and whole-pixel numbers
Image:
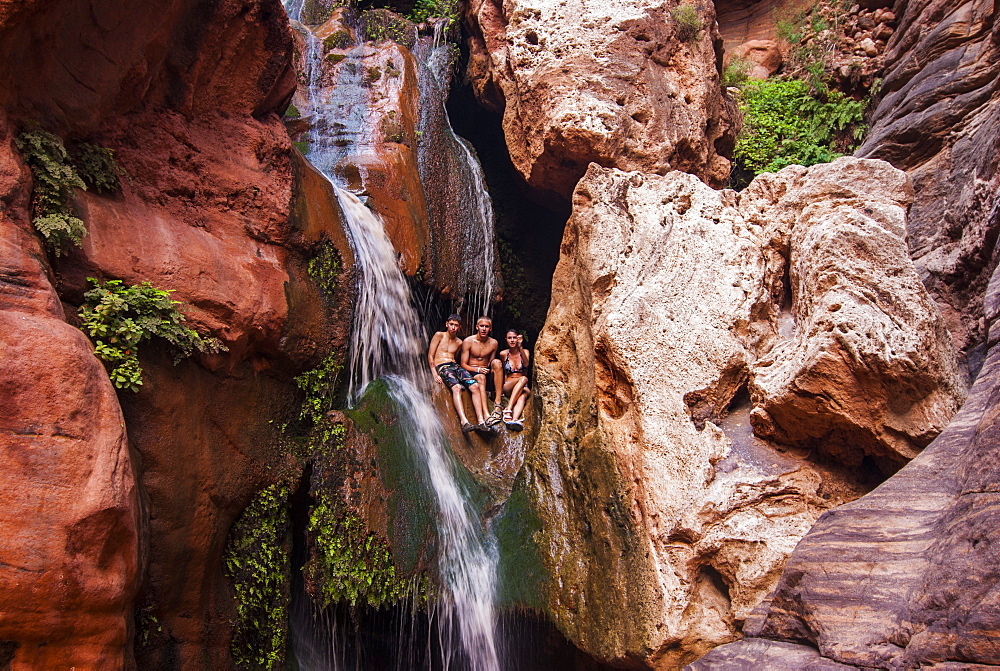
[
  {"x": 454, "y": 318},
  {"x": 486, "y": 318}
]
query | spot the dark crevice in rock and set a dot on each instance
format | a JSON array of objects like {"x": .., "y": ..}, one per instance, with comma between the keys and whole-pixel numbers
[{"x": 528, "y": 234}]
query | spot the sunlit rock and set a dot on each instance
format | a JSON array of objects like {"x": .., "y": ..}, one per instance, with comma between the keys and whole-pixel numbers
[
  {"x": 622, "y": 84},
  {"x": 665, "y": 519}
]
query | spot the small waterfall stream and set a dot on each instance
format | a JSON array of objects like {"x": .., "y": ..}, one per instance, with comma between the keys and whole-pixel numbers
[{"x": 388, "y": 342}]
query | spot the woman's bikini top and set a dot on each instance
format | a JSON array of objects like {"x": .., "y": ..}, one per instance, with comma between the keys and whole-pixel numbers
[{"x": 508, "y": 367}]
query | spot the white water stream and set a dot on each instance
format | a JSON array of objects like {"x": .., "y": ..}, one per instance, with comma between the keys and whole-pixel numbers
[{"x": 388, "y": 342}]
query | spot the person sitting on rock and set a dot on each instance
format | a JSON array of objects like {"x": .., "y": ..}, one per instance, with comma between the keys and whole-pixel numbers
[
  {"x": 441, "y": 357},
  {"x": 478, "y": 352},
  {"x": 514, "y": 362}
]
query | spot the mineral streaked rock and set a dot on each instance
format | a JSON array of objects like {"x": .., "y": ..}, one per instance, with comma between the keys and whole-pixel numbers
[
  {"x": 663, "y": 524},
  {"x": 603, "y": 82},
  {"x": 69, "y": 507},
  {"x": 906, "y": 576}
]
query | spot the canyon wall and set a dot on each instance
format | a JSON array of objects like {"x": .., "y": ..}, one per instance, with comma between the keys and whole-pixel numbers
[
  {"x": 906, "y": 576},
  {"x": 665, "y": 520},
  {"x": 126, "y": 532}
]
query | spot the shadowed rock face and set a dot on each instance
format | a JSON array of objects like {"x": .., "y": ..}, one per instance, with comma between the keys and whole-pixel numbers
[
  {"x": 69, "y": 508},
  {"x": 939, "y": 119},
  {"x": 185, "y": 92},
  {"x": 609, "y": 83},
  {"x": 664, "y": 521}
]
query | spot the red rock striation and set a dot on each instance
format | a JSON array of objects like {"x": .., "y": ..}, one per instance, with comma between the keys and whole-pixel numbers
[{"x": 938, "y": 118}]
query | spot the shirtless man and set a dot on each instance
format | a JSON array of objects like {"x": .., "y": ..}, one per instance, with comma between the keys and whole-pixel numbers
[
  {"x": 478, "y": 352},
  {"x": 441, "y": 358}
]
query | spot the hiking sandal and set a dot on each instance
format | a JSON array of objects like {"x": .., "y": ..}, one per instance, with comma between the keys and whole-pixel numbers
[{"x": 495, "y": 417}]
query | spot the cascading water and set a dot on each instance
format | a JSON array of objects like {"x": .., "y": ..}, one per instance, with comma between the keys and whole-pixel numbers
[
  {"x": 388, "y": 342},
  {"x": 467, "y": 201}
]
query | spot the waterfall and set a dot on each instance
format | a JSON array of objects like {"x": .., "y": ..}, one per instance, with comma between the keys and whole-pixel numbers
[
  {"x": 469, "y": 201},
  {"x": 388, "y": 342}
]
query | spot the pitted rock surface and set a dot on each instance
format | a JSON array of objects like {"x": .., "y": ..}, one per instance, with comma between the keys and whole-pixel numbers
[
  {"x": 611, "y": 83},
  {"x": 644, "y": 448}
]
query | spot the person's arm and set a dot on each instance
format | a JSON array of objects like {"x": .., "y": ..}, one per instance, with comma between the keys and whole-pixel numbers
[
  {"x": 464, "y": 359},
  {"x": 432, "y": 350}
]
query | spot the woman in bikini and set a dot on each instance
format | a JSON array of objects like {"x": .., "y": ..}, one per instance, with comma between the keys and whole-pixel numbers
[{"x": 515, "y": 360}]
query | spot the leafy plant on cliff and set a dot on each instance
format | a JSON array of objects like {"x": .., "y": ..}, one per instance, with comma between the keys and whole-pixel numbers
[
  {"x": 57, "y": 175},
  {"x": 429, "y": 9},
  {"x": 349, "y": 563},
  {"x": 119, "y": 317},
  {"x": 688, "y": 21},
  {"x": 55, "y": 180},
  {"x": 786, "y": 122},
  {"x": 258, "y": 562}
]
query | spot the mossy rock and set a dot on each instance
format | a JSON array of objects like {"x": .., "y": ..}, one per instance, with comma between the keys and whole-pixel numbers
[
  {"x": 521, "y": 573},
  {"x": 381, "y": 25},
  {"x": 316, "y": 12},
  {"x": 339, "y": 40}
]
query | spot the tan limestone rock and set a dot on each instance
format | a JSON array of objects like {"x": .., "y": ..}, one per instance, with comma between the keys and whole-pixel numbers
[
  {"x": 665, "y": 521},
  {"x": 868, "y": 368},
  {"x": 614, "y": 83}
]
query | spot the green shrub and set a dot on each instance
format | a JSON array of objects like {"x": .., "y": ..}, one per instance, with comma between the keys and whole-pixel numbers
[
  {"x": 736, "y": 73},
  {"x": 57, "y": 175},
  {"x": 119, "y": 317},
  {"x": 786, "y": 123},
  {"x": 688, "y": 21},
  {"x": 258, "y": 562}
]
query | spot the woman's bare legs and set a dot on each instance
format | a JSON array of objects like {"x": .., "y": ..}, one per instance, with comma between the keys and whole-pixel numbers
[{"x": 517, "y": 389}]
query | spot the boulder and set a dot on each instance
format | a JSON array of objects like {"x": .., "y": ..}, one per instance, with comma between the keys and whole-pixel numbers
[
  {"x": 622, "y": 84},
  {"x": 868, "y": 369},
  {"x": 762, "y": 56},
  {"x": 665, "y": 521}
]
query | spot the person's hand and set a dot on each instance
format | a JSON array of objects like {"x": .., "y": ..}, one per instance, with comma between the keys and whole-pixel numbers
[
  {"x": 484, "y": 370},
  {"x": 438, "y": 378}
]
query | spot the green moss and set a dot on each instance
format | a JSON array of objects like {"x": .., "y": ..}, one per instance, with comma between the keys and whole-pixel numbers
[
  {"x": 303, "y": 146},
  {"x": 292, "y": 112},
  {"x": 372, "y": 75},
  {"x": 315, "y": 12},
  {"x": 335, "y": 58},
  {"x": 522, "y": 576},
  {"x": 339, "y": 40},
  {"x": 258, "y": 563}
]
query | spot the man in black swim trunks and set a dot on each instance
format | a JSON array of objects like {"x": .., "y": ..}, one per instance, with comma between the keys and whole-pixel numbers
[{"x": 441, "y": 357}]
